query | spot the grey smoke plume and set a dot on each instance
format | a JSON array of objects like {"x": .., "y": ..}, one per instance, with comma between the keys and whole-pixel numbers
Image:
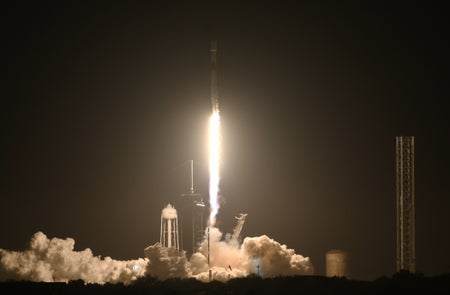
[{"x": 54, "y": 260}]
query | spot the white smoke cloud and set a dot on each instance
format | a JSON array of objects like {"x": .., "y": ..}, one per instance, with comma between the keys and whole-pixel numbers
[
  {"x": 273, "y": 259},
  {"x": 54, "y": 260},
  {"x": 257, "y": 255},
  {"x": 166, "y": 262}
]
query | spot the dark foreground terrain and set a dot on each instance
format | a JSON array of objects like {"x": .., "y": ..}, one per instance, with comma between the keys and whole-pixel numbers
[{"x": 397, "y": 284}]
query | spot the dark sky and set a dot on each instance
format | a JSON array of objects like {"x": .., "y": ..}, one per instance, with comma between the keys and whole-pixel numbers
[{"x": 104, "y": 104}]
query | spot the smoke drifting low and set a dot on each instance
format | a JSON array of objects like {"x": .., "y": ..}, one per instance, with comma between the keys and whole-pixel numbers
[{"x": 54, "y": 260}]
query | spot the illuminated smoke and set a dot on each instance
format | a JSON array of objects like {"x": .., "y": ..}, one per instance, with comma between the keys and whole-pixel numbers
[
  {"x": 214, "y": 165},
  {"x": 56, "y": 261},
  {"x": 166, "y": 262},
  {"x": 240, "y": 223},
  {"x": 261, "y": 256}
]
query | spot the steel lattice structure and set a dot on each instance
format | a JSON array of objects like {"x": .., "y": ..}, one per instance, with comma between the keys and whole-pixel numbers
[{"x": 406, "y": 250}]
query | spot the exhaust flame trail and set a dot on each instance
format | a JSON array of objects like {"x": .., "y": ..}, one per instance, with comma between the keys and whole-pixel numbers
[
  {"x": 214, "y": 140},
  {"x": 214, "y": 165}
]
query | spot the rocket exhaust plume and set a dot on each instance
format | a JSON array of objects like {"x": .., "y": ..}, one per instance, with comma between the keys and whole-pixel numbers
[
  {"x": 214, "y": 141},
  {"x": 214, "y": 166},
  {"x": 221, "y": 260},
  {"x": 55, "y": 260}
]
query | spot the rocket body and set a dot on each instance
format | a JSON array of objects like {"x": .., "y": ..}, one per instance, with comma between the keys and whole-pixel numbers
[{"x": 214, "y": 91}]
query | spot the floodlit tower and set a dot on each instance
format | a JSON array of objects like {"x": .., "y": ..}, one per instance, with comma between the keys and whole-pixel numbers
[
  {"x": 192, "y": 225},
  {"x": 169, "y": 228},
  {"x": 406, "y": 250}
]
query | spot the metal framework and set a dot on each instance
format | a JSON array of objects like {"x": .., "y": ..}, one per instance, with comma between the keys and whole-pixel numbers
[
  {"x": 192, "y": 224},
  {"x": 406, "y": 250}
]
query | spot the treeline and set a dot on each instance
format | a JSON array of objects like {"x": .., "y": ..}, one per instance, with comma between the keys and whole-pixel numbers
[{"x": 400, "y": 283}]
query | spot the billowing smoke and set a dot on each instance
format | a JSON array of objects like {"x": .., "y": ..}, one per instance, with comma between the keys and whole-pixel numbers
[
  {"x": 261, "y": 256},
  {"x": 166, "y": 262},
  {"x": 54, "y": 260}
]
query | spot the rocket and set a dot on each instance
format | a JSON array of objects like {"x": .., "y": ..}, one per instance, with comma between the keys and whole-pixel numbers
[{"x": 214, "y": 91}]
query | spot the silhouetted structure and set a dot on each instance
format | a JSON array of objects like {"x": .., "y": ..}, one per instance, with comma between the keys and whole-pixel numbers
[
  {"x": 400, "y": 283},
  {"x": 191, "y": 217},
  {"x": 406, "y": 250}
]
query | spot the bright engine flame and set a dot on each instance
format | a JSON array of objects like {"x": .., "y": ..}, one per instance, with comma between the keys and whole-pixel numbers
[{"x": 214, "y": 165}]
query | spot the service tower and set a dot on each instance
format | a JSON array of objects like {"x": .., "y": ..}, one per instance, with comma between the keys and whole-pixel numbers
[
  {"x": 191, "y": 217},
  {"x": 406, "y": 250}
]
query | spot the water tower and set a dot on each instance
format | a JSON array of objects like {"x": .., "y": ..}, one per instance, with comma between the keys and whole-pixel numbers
[
  {"x": 169, "y": 228},
  {"x": 336, "y": 263}
]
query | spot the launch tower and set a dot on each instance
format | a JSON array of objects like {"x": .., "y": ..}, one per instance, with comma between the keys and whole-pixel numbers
[
  {"x": 406, "y": 250},
  {"x": 191, "y": 217}
]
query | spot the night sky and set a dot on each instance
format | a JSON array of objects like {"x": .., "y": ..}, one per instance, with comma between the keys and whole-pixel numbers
[{"x": 104, "y": 104}]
